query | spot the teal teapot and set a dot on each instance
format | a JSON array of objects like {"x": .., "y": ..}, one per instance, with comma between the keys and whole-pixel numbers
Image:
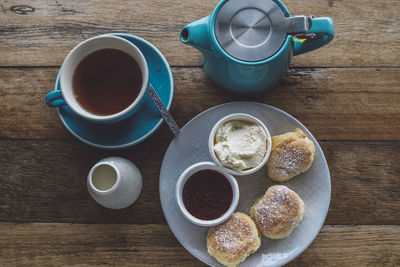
[{"x": 247, "y": 46}]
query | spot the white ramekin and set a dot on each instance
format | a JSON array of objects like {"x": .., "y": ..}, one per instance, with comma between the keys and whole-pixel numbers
[
  {"x": 242, "y": 117},
  {"x": 192, "y": 170}
]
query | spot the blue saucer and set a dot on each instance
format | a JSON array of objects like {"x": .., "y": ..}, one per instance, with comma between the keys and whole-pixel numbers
[{"x": 142, "y": 123}]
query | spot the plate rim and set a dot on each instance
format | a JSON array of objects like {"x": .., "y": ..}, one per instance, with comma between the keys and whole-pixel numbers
[
  {"x": 141, "y": 139},
  {"x": 325, "y": 212}
]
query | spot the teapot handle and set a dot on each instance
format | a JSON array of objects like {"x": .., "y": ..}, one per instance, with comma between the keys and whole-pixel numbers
[{"x": 321, "y": 32}]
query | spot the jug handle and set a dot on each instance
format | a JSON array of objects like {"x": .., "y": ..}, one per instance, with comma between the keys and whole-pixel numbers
[{"x": 321, "y": 33}]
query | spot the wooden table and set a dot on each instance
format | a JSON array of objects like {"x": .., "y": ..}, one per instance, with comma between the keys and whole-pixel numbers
[{"x": 347, "y": 94}]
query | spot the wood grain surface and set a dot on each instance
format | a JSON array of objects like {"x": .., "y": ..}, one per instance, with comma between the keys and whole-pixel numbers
[
  {"x": 334, "y": 103},
  {"x": 366, "y": 31},
  {"x": 145, "y": 245},
  {"x": 346, "y": 93},
  {"x": 39, "y": 185}
]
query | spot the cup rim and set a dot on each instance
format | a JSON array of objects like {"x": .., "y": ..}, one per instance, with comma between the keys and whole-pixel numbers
[
  {"x": 115, "y": 185},
  {"x": 105, "y": 118},
  {"x": 239, "y": 116},
  {"x": 188, "y": 173}
]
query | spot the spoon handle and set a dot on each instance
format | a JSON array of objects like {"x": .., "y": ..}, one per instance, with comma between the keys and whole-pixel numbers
[{"x": 164, "y": 112}]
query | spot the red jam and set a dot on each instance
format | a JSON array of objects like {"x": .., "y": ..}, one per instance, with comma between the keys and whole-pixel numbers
[{"x": 207, "y": 194}]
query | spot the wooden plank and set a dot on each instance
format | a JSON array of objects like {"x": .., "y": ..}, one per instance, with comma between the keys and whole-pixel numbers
[
  {"x": 334, "y": 103},
  {"x": 45, "y": 181},
  {"x": 353, "y": 246},
  {"x": 365, "y": 182},
  {"x": 68, "y": 244},
  {"x": 42, "y": 32},
  {"x": 100, "y": 245}
]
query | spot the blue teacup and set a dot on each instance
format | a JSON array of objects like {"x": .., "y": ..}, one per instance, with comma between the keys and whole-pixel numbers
[{"x": 65, "y": 97}]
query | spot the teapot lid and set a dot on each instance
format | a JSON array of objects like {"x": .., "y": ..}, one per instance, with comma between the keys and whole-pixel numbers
[{"x": 254, "y": 30}]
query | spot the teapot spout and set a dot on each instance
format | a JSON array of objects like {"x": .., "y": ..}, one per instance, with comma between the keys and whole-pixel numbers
[{"x": 196, "y": 35}]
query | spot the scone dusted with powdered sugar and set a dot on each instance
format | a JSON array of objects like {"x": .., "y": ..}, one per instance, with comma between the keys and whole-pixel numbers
[
  {"x": 292, "y": 154},
  {"x": 233, "y": 241},
  {"x": 277, "y": 212}
]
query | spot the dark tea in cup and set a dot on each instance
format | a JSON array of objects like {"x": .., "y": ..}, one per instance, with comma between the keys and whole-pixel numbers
[
  {"x": 107, "y": 81},
  {"x": 103, "y": 79}
]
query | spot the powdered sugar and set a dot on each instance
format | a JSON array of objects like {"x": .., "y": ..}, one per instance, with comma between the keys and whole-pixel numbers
[
  {"x": 234, "y": 236},
  {"x": 276, "y": 208},
  {"x": 290, "y": 160},
  {"x": 269, "y": 259}
]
